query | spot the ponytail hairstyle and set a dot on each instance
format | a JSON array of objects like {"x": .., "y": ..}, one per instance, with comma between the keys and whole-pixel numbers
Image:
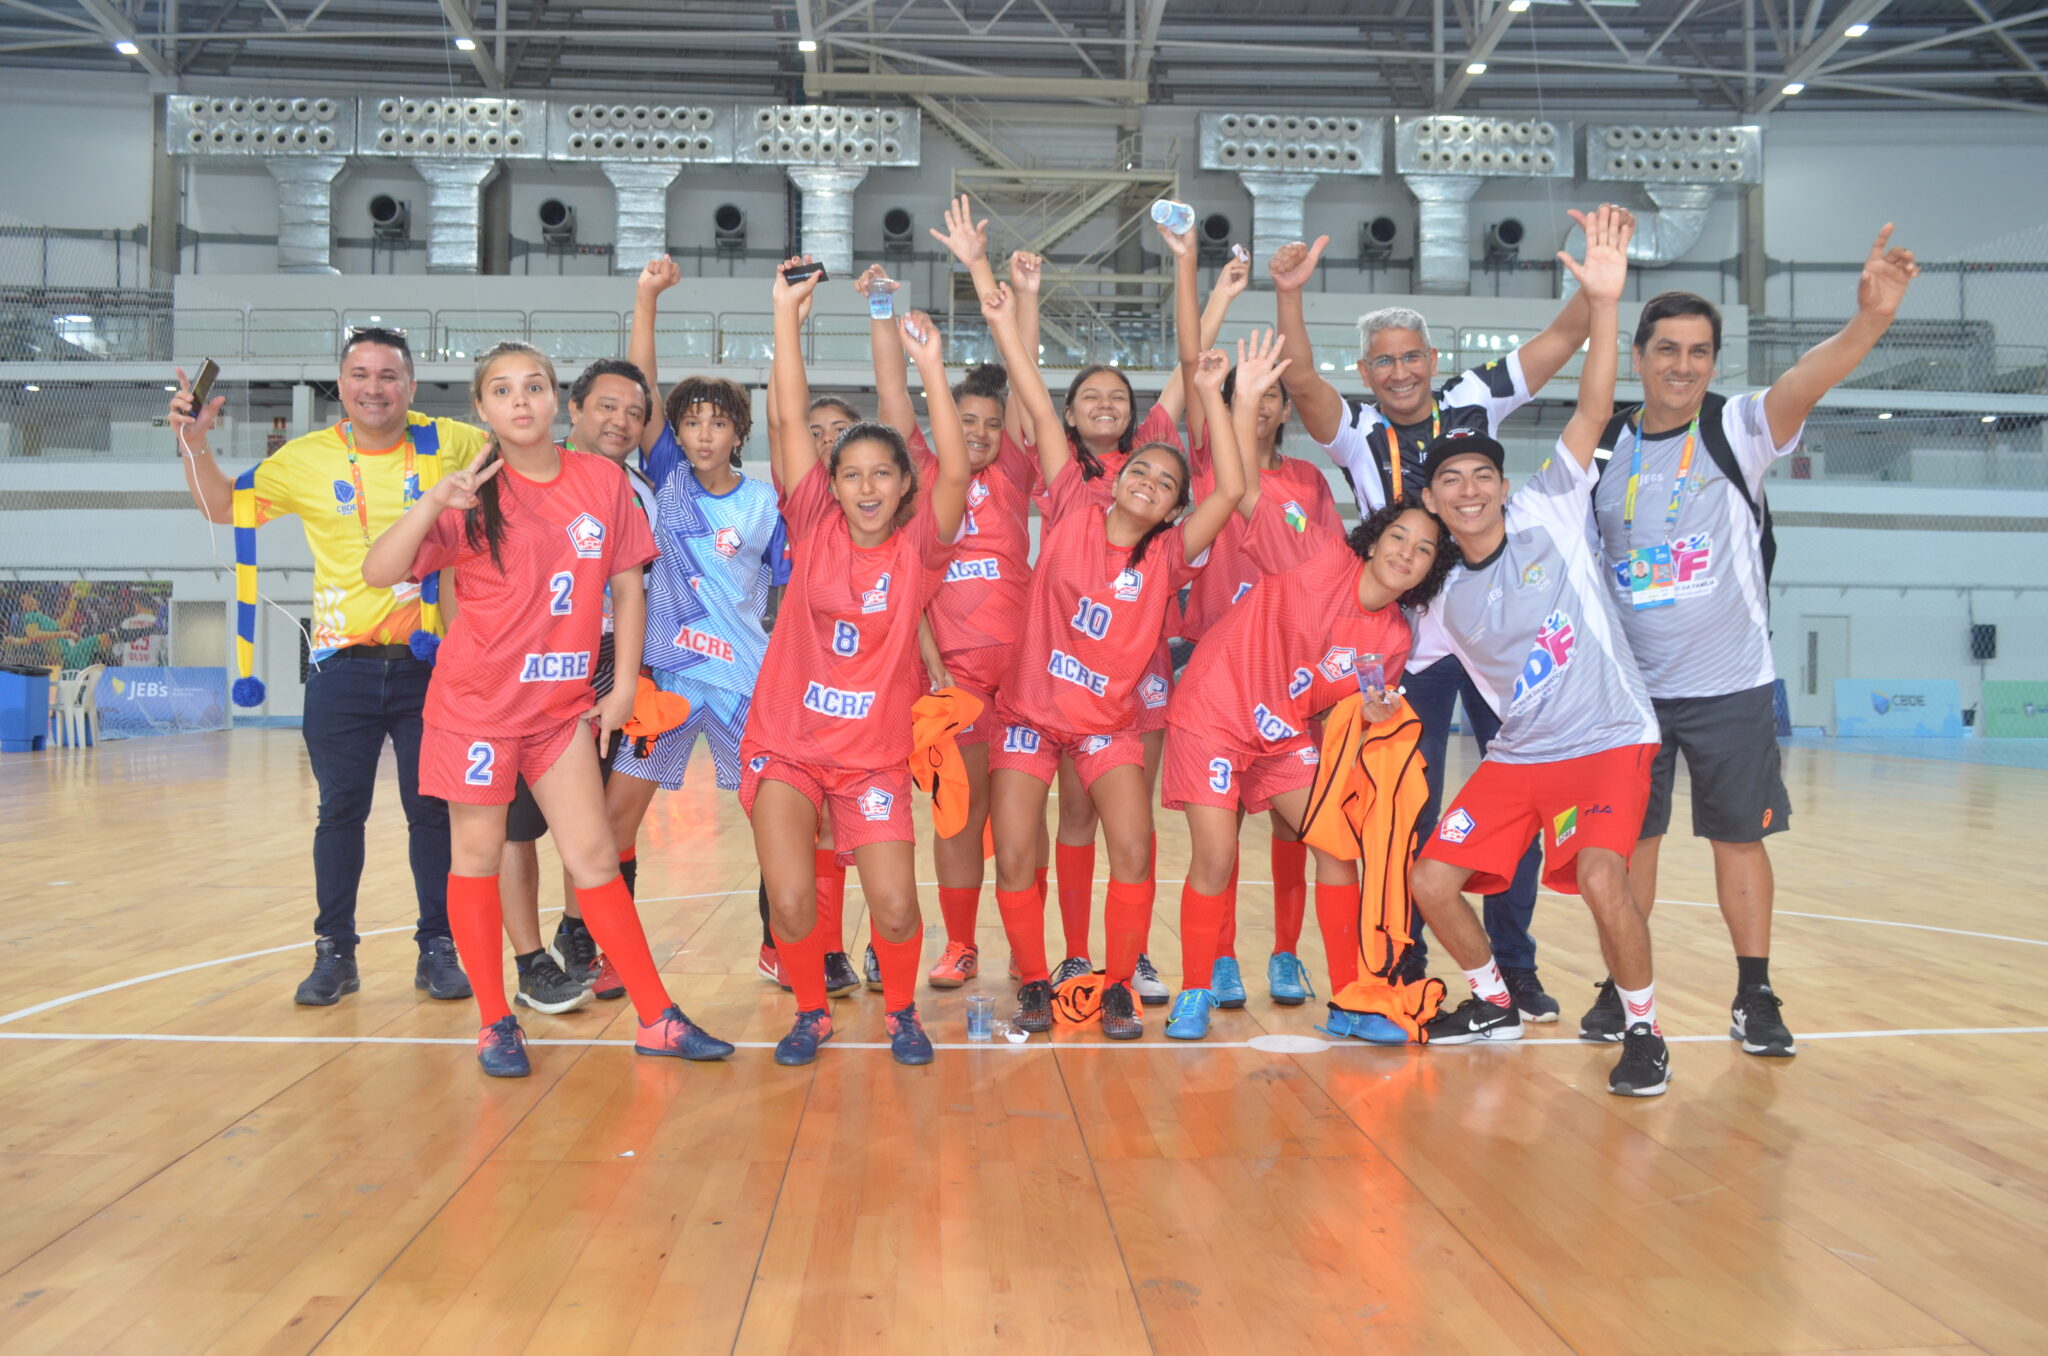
[
  {"x": 899, "y": 452},
  {"x": 485, "y": 523},
  {"x": 1180, "y": 503},
  {"x": 1091, "y": 465},
  {"x": 987, "y": 379},
  {"x": 1366, "y": 535}
]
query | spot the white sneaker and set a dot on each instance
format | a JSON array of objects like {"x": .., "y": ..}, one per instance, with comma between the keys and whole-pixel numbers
[{"x": 1151, "y": 990}]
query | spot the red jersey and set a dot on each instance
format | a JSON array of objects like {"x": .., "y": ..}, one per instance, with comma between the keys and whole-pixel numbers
[
  {"x": 1093, "y": 620},
  {"x": 980, "y": 602},
  {"x": 1292, "y": 648},
  {"x": 842, "y": 671},
  {"x": 1299, "y": 489},
  {"x": 524, "y": 647},
  {"x": 1156, "y": 427}
]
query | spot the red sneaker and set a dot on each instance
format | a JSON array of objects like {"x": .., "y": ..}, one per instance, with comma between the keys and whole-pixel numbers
[
  {"x": 960, "y": 963},
  {"x": 769, "y": 966},
  {"x": 604, "y": 979}
]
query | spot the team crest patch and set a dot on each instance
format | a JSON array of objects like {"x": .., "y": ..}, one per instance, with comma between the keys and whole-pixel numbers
[
  {"x": 727, "y": 541},
  {"x": 586, "y": 534},
  {"x": 1309, "y": 756},
  {"x": 977, "y": 492},
  {"x": 1094, "y": 744},
  {"x": 876, "y": 599},
  {"x": 1153, "y": 691},
  {"x": 876, "y": 804},
  {"x": 1456, "y": 826},
  {"x": 1339, "y": 663},
  {"x": 1129, "y": 584},
  {"x": 757, "y": 762},
  {"x": 1533, "y": 576},
  {"x": 1565, "y": 825},
  {"x": 1295, "y": 518}
]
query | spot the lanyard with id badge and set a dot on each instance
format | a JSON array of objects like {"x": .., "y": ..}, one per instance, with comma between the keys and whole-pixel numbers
[{"x": 1649, "y": 574}]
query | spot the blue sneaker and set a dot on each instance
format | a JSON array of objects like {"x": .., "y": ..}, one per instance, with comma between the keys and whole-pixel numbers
[
  {"x": 674, "y": 1034},
  {"x": 501, "y": 1049},
  {"x": 1189, "y": 1020},
  {"x": 800, "y": 1046},
  {"x": 1226, "y": 982},
  {"x": 1364, "y": 1026},
  {"x": 1287, "y": 980},
  {"x": 907, "y": 1040}
]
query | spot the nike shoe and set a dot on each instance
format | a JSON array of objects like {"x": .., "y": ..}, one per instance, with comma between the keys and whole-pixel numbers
[
  {"x": 1189, "y": 1020},
  {"x": 1369, "y": 1027},
  {"x": 1151, "y": 989},
  {"x": 1754, "y": 1021},
  {"x": 800, "y": 1046},
  {"x": 605, "y": 982},
  {"x": 1645, "y": 1066},
  {"x": 907, "y": 1041},
  {"x": 1475, "y": 1019},
  {"x": 501, "y": 1049},
  {"x": 1287, "y": 980},
  {"x": 1604, "y": 1021},
  {"x": 1527, "y": 991},
  {"x": 769, "y": 966},
  {"x": 674, "y": 1034},
  {"x": 1226, "y": 982},
  {"x": 960, "y": 963}
]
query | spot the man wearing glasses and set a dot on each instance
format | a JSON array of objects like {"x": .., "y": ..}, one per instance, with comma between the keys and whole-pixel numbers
[
  {"x": 1379, "y": 443},
  {"x": 347, "y": 483}
]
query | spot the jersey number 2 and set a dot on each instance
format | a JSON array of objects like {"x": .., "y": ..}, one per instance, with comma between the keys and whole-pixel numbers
[
  {"x": 481, "y": 756},
  {"x": 560, "y": 587}
]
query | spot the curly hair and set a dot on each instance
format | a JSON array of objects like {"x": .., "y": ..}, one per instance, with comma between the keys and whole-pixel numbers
[
  {"x": 725, "y": 397},
  {"x": 1366, "y": 535}
]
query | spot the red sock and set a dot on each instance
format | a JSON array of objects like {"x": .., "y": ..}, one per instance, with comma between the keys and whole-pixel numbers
[
  {"x": 615, "y": 925},
  {"x": 1077, "y": 892},
  {"x": 959, "y": 907},
  {"x": 1290, "y": 893},
  {"x": 1200, "y": 918},
  {"x": 475, "y": 919},
  {"x": 803, "y": 965},
  {"x": 899, "y": 969},
  {"x": 1127, "y": 920},
  {"x": 1039, "y": 877},
  {"x": 831, "y": 881},
  {"x": 1226, "y": 923},
  {"x": 1024, "y": 924},
  {"x": 1337, "y": 917}
]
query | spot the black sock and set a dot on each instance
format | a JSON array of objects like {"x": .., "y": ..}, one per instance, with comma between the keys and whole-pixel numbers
[
  {"x": 571, "y": 923},
  {"x": 629, "y": 872},
  {"x": 767, "y": 932},
  {"x": 526, "y": 961},
  {"x": 1752, "y": 972}
]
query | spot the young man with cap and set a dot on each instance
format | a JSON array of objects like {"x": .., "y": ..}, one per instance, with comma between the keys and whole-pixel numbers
[
  {"x": 1686, "y": 541},
  {"x": 1379, "y": 443},
  {"x": 348, "y": 483},
  {"x": 1528, "y": 613}
]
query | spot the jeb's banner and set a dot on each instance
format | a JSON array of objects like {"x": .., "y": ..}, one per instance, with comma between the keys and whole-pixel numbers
[
  {"x": 2014, "y": 710},
  {"x": 159, "y": 701},
  {"x": 1931, "y": 707}
]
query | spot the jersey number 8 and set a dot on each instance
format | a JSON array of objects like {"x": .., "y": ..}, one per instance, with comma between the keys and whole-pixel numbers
[{"x": 845, "y": 638}]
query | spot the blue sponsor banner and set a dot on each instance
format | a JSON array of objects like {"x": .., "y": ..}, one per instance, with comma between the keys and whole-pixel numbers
[
  {"x": 1931, "y": 707},
  {"x": 135, "y": 702}
]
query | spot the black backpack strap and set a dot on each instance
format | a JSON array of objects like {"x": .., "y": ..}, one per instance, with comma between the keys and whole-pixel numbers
[
  {"x": 1715, "y": 435},
  {"x": 1610, "y": 438}
]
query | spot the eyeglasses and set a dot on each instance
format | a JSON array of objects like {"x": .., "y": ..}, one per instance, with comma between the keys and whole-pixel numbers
[{"x": 1414, "y": 357}]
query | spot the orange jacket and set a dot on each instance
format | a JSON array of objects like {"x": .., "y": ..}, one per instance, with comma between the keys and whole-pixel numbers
[
  {"x": 935, "y": 762},
  {"x": 655, "y": 713}
]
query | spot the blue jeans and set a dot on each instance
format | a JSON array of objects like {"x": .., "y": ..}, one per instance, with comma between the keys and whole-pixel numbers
[
  {"x": 1433, "y": 693},
  {"x": 352, "y": 707}
]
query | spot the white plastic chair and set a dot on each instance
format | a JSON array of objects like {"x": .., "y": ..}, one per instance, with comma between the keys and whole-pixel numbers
[{"x": 78, "y": 708}]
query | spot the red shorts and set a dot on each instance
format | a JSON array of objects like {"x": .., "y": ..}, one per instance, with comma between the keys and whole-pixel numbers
[
  {"x": 865, "y": 807},
  {"x": 1153, "y": 691},
  {"x": 474, "y": 769},
  {"x": 1196, "y": 771},
  {"x": 1026, "y": 748},
  {"x": 980, "y": 672},
  {"x": 1594, "y": 801}
]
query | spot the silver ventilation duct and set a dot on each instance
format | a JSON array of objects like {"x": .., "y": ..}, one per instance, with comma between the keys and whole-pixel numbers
[
  {"x": 828, "y": 213},
  {"x": 642, "y": 191},
  {"x": 1278, "y": 208},
  {"x": 305, "y": 211},
  {"x": 454, "y": 188},
  {"x": 1443, "y": 230},
  {"x": 1662, "y": 237}
]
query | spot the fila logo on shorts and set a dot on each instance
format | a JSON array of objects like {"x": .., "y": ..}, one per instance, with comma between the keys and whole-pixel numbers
[
  {"x": 1154, "y": 691},
  {"x": 1129, "y": 584},
  {"x": 1456, "y": 826},
  {"x": 876, "y": 804},
  {"x": 556, "y": 666},
  {"x": 1339, "y": 662},
  {"x": 586, "y": 534},
  {"x": 727, "y": 542}
]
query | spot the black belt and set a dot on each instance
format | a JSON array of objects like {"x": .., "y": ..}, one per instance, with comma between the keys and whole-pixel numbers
[{"x": 373, "y": 652}]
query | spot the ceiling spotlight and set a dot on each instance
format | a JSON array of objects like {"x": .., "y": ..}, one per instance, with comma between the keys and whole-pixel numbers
[
  {"x": 1476, "y": 68},
  {"x": 170, "y": 388},
  {"x": 127, "y": 48},
  {"x": 465, "y": 44},
  {"x": 806, "y": 45},
  {"x": 1884, "y": 414},
  {"x": 30, "y": 386},
  {"x": 1518, "y": 6},
  {"x": 1988, "y": 419},
  {"x": 1855, "y": 30},
  {"x": 1795, "y": 87}
]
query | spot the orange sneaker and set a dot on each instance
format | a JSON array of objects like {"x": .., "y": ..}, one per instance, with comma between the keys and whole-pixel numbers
[{"x": 960, "y": 963}]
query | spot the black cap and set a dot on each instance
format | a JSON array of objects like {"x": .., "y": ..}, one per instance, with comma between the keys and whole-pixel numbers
[{"x": 1458, "y": 443}]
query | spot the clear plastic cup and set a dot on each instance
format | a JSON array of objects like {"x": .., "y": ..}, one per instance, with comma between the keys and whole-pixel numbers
[
  {"x": 1177, "y": 217},
  {"x": 981, "y": 1017},
  {"x": 882, "y": 298}
]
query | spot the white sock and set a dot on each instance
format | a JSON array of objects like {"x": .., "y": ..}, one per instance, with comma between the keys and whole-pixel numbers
[
  {"x": 1640, "y": 1005},
  {"x": 1487, "y": 984}
]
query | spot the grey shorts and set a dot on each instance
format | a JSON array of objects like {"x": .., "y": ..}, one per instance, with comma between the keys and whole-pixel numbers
[{"x": 1731, "y": 756}]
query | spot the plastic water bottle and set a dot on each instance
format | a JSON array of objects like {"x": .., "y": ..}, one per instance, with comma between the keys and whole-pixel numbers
[
  {"x": 882, "y": 298},
  {"x": 1177, "y": 217}
]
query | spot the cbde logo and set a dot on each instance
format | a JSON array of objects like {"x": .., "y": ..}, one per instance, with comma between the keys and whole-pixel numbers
[{"x": 1881, "y": 703}]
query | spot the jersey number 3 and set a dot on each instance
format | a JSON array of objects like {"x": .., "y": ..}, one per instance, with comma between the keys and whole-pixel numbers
[{"x": 559, "y": 589}]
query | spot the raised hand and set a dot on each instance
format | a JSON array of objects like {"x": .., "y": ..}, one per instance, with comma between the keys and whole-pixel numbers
[
  {"x": 659, "y": 275},
  {"x": 869, "y": 275},
  {"x": 1886, "y": 275},
  {"x": 1179, "y": 246},
  {"x": 999, "y": 306},
  {"x": 963, "y": 236},
  {"x": 921, "y": 338},
  {"x": 189, "y": 422},
  {"x": 1294, "y": 263},
  {"x": 459, "y": 491},
  {"x": 794, "y": 294},
  {"x": 1211, "y": 367},
  {"x": 1026, "y": 270},
  {"x": 1605, "y": 269},
  {"x": 1235, "y": 277},
  {"x": 1259, "y": 364}
]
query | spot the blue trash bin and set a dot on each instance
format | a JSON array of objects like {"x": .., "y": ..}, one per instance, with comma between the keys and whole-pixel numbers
[{"x": 24, "y": 708}]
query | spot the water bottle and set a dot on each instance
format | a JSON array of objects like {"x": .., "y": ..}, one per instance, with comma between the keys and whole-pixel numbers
[
  {"x": 882, "y": 298},
  {"x": 1177, "y": 217}
]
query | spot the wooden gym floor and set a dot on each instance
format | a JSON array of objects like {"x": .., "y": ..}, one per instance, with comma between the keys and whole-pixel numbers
[{"x": 191, "y": 1163}]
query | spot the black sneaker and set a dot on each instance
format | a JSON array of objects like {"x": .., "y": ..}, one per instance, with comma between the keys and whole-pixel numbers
[
  {"x": 1120, "y": 1014},
  {"x": 1530, "y": 1000},
  {"x": 1034, "y": 1007},
  {"x": 1604, "y": 1021},
  {"x": 440, "y": 970},
  {"x": 1754, "y": 1021},
  {"x": 1475, "y": 1019},
  {"x": 545, "y": 987},
  {"x": 333, "y": 975},
  {"x": 574, "y": 949},
  {"x": 1645, "y": 1067},
  {"x": 871, "y": 968},
  {"x": 839, "y": 976}
]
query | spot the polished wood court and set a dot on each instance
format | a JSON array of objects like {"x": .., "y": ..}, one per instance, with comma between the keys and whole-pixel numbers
[{"x": 193, "y": 1164}]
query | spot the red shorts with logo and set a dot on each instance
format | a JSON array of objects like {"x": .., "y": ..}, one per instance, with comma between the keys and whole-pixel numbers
[
  {"x": 1153, "y": 690},
  {"x": 472, "y": 769},
  {"x": 865, "y": 807},
  {"x": 1594, "y": 801},
  {"x": 980, "y": 672},
  {"x": 1021, "y": 747},
  {"x": 1197, "y": 771}
]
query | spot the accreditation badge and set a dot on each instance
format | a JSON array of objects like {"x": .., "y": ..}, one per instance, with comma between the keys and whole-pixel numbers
[{"x": 1650, "y": 576}]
